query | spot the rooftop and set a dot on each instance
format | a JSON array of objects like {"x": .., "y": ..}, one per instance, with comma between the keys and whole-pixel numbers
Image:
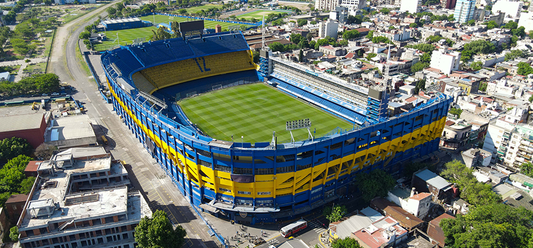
[
  {"x": 433, "y": 179},
  {"x": 20, "y": 122}
]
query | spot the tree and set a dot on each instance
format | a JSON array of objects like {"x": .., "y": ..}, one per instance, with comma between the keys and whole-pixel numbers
[
  {"x": 158, "y": 232},
  {"x": 370, "y": 34},
  {"x": 381, "y": 39},
  {"x": 14, "y": 234},
  {"x": 531, "y": 34},
  {"x": 345, "y": 243},
  {"x": 527, "y": 168},
  {"x": 20, "y": 46},
  {"x": 491, "y": 225},
  {"x": 335, "y": 213},
  {"x": 426, "y": 58},
  {"x": 472, "y": 191},
  {"x": 373, "y": 184},
  {"x": 531, "y": 98},
  {"x": 302, "y": 22},
  {"x": 276, "y": 47},
  {"x": 456, "y": 111},
  {"x": 483, "y": 86},
  {"x": 13, "y": 147},
  {"x": 84, "y": 35},
  {"x": 524, "y": 69},
  {"x": 352, "y": 34},
  {"x": 515, "y": 54},
  {"x": 11, "y": 17},
  {"x": 413, "y": 25},
  {"x": 111, "y": 11},
  {"x": 471, "y": 22},
  {"x": 511, "y": 25},
  {"x": 418, "y": 66},
  {"x": 476, "y": 66},
  {"x": 370, "y": 56},
  {"x": 385, "y": 11},
  {"x": 492, "y": 24},
  {"x": 296, "y": 38},
  {"x": 160, "y": 34},
  {"x": 182, "y": 11},
  {"x": 427, "y": 48}
]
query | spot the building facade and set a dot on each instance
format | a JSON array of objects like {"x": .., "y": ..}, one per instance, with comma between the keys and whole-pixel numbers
[
  {"x": 445, "y": 60},
  {"x": 81, "y": 199},
  {"x": 326, "y": 5},
  {"x": 411, "y": 6},
  {"x": 464, "y": 10}
]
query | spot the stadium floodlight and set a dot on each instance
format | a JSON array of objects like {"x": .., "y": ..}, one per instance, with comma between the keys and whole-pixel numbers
[
  {"x": 299, "y": 124},
  {"x": 153, "y": 99}
]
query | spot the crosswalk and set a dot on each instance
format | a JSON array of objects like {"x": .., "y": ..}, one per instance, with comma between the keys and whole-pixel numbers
[{"x": 316, "y": 226}]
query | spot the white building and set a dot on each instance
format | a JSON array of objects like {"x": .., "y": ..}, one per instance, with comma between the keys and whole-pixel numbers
[
  {"x": 520, "y": 148},
  {"x": 445, "y": 60},
  {"x": 464, "y": 10},
  {"x": 411, "y": 6},
  {"x": 328, "y": 28},
  {"x": 353, "y": 5},
  {"x": 509, "y": 7},
  {"x": 526, "y": 20},
  {"x": 326, "y": 5},
  {"x": 416, "y": 204}
]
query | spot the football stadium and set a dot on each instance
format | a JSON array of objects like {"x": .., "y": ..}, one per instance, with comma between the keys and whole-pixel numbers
[{"x": 260, "y": 143}]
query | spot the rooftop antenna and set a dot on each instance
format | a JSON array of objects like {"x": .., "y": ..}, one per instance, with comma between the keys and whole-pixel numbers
[{"x": 263, "y": 33}]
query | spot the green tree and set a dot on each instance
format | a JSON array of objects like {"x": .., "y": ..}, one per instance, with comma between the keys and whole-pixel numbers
[
  {"x": 182, "y": 11},
  {"x": 511, "y": 25},
  {"x": 515, "y": 54},
  {"x": 385, "y": 11},
  {"x": 371, "y": 55},
  {"x": 296, "y": 38},
  {"x": 490, "y": 225},
  {"x": 527, "y": 168},
  {"x": 13, "y": 147},
  {"x": 413, "y": 25},
  {"x": 276, "y": 47},
  {"x": 84, "y": 35},
  {"x": 419, "y": 66},
  {"x": 14, "y": 234},
  {"x": 531, "y": 34},
  {"x": 456, "y": 111},
  {"x": 531, "y": 98},
  {"x": 20, "y": 46},
  {"x": 345, "y": 243},
  {"x": 426, "y": 58},
  {"x": 370, "y": 34},
  {"x": 381, "y": 39},
  {"x": 255, "y": 55},
  {"x": 492, "y": 24},
  {"x": 373, "y": 184},
  {"x": 158, "y": 232},
  {"x": 111, "y": 11},
  {"x": 302, "y": 22},
  {"x": 524, "y": 69},
  {"x": 352, "y": 34},
  {"x": 160, "y": 34},
  {"x": 471, "y": 22},
  {"x": 483, "y": 86},
  {"x": 427, "y": 48},
  {"x": 335, "y": 213},
  {"x": 476, "y": 66}
]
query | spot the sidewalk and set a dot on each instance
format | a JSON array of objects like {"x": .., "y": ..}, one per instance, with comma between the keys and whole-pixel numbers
[{"x": 230, "y": 230}]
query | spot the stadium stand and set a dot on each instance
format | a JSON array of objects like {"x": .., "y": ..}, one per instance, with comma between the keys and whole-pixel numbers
[{"x": 190, "y": 69}]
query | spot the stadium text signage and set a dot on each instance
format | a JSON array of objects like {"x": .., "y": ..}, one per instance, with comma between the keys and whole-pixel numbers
[{"x": 299, "y": 124}]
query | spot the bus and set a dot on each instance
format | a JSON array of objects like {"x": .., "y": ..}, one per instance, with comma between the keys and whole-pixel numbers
[{"x": 293, "y": 228}]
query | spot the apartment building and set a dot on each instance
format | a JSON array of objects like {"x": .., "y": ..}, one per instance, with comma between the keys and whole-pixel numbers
[{"x": 81, "y": 199}]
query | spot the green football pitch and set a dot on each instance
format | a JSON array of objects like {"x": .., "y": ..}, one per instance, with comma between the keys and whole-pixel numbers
[
  {"x": 254, "y": 111},
  {"x": 258, "y": 14},
  {"x": 166, "y": 19},
  {"x": 125, "y": 36}
]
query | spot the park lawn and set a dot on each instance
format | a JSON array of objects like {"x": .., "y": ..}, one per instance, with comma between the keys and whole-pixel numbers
[
  {"x": 167, "y": 19},
  {"x": 125, "y": 36},
  {"x": 258, "y": 14},
  {"x": 254, "y": 111},
  {"x": 36, "y": 68}
]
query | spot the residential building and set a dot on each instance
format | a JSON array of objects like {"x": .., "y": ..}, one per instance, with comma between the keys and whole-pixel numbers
[
  {"x": 450, "y": 4},
  {"x": 71, "y": 131},
  {"x": 435, "y": 232},
  {"x": 81, "y": 199},
  {"x": 511, "y": 8},
  {"x": 464, "y": 10},
  {"x": 520, "y": 148},
  {"x": 328, "y": 28},
  {"x": 415, "y": 203},
  {"x": 526, "y": 20},
  {"x": 353, "y": 5},
  {"x": 445, "y": 61},
  {"x": 386, "y": 232},
  {"x": 29, "y": 126},
  {"x": 476, "y": 157},
  {"x": 404, "y": 218},
  {"x": 326, "y": 5},
  {"x": 428, "y": 181},
  {"x": 497, "y": 139},
  {"x": 411, "y": 6},
  {"x": 456, "y": 134}
]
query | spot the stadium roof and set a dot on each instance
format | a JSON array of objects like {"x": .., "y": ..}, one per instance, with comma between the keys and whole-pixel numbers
[{"x": 125, "y": 20}]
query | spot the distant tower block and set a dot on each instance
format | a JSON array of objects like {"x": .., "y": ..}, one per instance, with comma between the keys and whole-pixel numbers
[{"x": 218, "y": 28}]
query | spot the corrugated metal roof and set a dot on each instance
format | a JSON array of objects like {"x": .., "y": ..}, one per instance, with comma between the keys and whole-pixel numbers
[{"x": 433, "y": 179}]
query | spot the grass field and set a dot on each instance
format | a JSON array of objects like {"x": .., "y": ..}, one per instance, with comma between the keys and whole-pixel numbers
[
  {"x": 166, "y": 19},
  {"x": 258, "y": 14},
  {"x": 254, "y": 111},
  {"x": 125, "y": 36}
]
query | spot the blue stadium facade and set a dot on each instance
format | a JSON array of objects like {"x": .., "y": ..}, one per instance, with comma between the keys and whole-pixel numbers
[{"x": 259, "y": 182}]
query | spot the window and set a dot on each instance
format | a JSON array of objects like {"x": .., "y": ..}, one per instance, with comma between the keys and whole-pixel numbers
[
  {"x": 244, "y": 192},
  {"x": 264, "y": 193}
]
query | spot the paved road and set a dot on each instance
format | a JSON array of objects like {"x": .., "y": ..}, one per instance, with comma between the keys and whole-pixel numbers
[{"x": 145, "y": 173}]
